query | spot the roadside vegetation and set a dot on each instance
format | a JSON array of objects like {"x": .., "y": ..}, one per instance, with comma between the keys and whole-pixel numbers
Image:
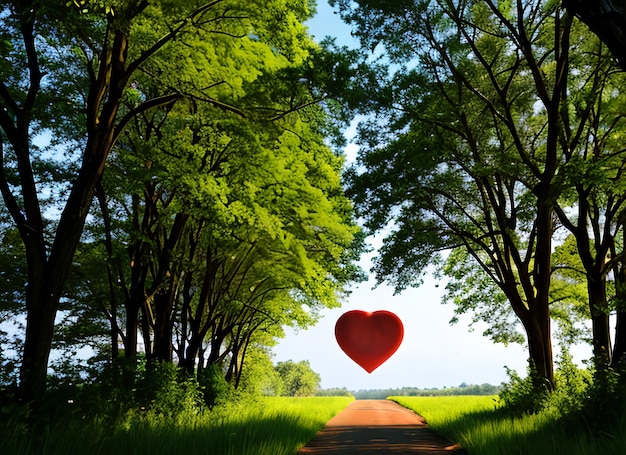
[
  {"x": 270, "y": 426},
  {"x": 173, "y": 422},
  {"x": 574, "y": 419}
]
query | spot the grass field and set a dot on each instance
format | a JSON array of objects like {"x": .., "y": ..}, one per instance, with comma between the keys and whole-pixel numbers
[
  {"x": 477, "y": 423},
  {"x": 281, "y": 425},
  {"x": 268, "y": 426}
]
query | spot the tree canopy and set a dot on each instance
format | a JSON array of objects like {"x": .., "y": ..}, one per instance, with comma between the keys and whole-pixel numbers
[
  {"x": 200, "y": 129},
  {"x": 466, "y": 156}
]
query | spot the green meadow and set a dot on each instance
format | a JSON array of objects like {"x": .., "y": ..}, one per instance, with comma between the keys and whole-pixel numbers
[
  {"x": 262, "y": 426},
  {"x": 483, "y": 427}
]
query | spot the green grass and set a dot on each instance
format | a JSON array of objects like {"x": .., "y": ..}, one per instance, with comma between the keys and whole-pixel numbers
[
  {"x": 280, "y": 426},
  {"x": 268, "y": 426},
  {"x": 482, "y": 428}
]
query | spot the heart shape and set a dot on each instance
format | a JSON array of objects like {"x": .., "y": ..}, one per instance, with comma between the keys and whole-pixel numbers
[{"x": 369, "y": 338}]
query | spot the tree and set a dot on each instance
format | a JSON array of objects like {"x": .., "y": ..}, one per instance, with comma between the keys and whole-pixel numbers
[
  {"x": 593, "y": 201},
  {"x": 66, "y": 73},
  {"x": 607, "y": 19},
  {"x": 232, "y": 225},
  {"x": 298, "y": 378},
  {"x": 260, "y": 376},
  {"x": 471, "y": 154},
  {"x": 590, "y": 202}
]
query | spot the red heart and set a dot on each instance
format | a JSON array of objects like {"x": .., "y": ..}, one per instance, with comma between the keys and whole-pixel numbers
[{"x": 369, "y": 338}]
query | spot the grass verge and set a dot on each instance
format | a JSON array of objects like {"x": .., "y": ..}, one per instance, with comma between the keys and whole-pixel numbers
[
  {"x": 483, "y": 428},
  {"x": 267, "y": 426}
]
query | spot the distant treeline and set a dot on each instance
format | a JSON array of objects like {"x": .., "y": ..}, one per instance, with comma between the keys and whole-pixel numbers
[
  {"x": 334, "y": 392},
  {"x": 463, "y": 389}
]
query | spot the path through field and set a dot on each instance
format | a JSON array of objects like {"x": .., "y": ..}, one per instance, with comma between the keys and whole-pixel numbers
[{"x": 378, "y": 427}]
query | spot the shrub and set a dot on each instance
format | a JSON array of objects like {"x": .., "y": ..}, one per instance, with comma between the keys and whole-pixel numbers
[
  {"x": 168, "y": 390},
  {"x": 216, "y": 390},
  {"x": 572, "y": 386},
  {"x": 605, "y": 400},
  {"x": 524, "y": 395}
]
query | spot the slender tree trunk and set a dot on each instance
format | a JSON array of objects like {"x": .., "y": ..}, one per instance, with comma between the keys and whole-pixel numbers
[
  {"x": 194, "y": 351},
  {"x": 163, "y": 324},
  {"x": 201, "y": 363},
  {"x": 596, "y": 287},
  {"x": 184, "y": 325},
  {"x": 112, "y": 280},
  {"x": 133, "y": 304},
  {"x": 130, "y": 345},
  {"x": 216, "y": 341},
  {"x": 191, "y": 353},
  {"x": 619, "y": 348},
  {"x": 146, "y": 332},
  {"x": 539, "y": 330}
]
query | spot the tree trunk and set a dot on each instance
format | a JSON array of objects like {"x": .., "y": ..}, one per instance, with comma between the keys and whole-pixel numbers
[
  {"x": 130, "y": 344},
  {"x": 194, "y": 352},
  {"x": 48, "y": 267},
  {"x": 39, "y": 330},
  {"x": 133, "y": 304},
  {"x": 596, "y": 288},
  {"x": 540, "y": 350},
  {"x": 46, "y": 281},
  {"x": 619, "y": 348},
  {"x": 146, "y": 332},
  {"x": 538, "y": 328},
  {"x": 163, "y": 321},
  {"x": 201, "y": 364}
]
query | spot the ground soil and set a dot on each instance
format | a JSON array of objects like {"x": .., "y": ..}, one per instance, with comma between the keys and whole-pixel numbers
[{"x": 378, "y": 427}]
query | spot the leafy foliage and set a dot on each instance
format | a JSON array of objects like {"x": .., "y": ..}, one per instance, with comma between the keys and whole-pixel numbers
[
  {"x": 267, "y": 426},
  {"x": 472, "y": 292},
  {"x": 166, "y": 390},
  {"x": 221, "y": 215},
  {"x": 486, "y": 128},
  {"x": 299, "y": 380}
]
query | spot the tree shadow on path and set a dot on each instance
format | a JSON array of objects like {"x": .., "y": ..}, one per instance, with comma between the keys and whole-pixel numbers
[{"x": 378, "y": 427}]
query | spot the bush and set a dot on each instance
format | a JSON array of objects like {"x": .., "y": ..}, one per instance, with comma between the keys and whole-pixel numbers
[
  {"x": 524, "y": 396},
  {"x": 216, "y": 390},
  {"x": 605, "y": 400},
  {"x": 169, "y": 390},
  {"x": 598, "y": 394},
  {"x": 572, "y": 386}
]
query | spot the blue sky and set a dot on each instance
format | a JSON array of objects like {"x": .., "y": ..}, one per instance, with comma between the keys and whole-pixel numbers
[{"x": 433, "y": 353}]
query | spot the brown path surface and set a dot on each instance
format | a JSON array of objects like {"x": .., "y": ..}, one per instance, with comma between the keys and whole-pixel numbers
[{"x": 378, "y": 427}]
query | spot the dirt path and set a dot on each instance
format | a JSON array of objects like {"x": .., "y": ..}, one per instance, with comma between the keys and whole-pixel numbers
[{"x": 378, "y": 427}]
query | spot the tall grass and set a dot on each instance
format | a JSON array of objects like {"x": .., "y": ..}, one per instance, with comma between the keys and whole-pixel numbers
[
  {"x": 267, "y": 426},
  {"x": 483, "y": 428}
]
